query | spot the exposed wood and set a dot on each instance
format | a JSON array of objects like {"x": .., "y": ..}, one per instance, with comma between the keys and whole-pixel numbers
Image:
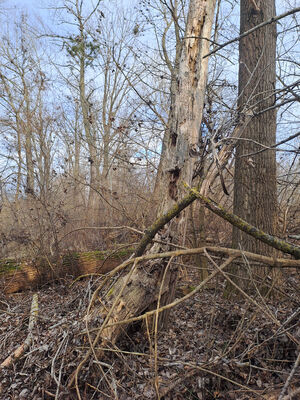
[
  {"x": 138, "y": 290},
  {"x": 181, "y": 151}
]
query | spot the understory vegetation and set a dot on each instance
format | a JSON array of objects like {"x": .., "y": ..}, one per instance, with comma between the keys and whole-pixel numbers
[{"x": 149, "y": 200}]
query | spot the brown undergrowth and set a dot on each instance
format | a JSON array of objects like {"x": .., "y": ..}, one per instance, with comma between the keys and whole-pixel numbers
[{"x": 213, "y": 348}]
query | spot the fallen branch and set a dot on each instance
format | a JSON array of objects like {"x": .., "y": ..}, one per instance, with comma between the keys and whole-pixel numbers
[
  {"x": 162, "y": 221},
  {"x": 271, "y": 261},
  {"x": 232, "y": 253},
  {"x": 24, "y": 346},
  {"x": 168, "y": 306},
  {"x": 244, "y": 226},
  {"x": 233, "y": 219},
  {"x": 288, "y": 381}
]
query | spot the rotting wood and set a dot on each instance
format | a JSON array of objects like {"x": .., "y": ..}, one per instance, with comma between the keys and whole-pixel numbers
[
  {"x": 29, "y": 276},
  {"x": 112, "y": 327},
  {"x": 181, "y": 151},
  {"x": 107, "y": 332}
]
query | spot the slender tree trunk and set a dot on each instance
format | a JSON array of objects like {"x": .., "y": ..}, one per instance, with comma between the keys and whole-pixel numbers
[
  {"x": 93, "y": 197},
  {"x": 28, "y": 147},
  {"x": 19, "y": 152},
  {"x": 173, "y": 89},
  {"x": 79, "y": 203},
  {"x": 255, "y": 196}
]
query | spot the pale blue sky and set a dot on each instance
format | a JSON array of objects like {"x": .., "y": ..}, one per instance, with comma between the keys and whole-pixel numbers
[
  {"x": 34, "y": 7},
  {"x": 30, "y": 4}
]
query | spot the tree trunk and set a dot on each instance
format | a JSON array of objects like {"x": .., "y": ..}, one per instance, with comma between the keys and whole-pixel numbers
[
  {"x": 29, "y": 189},
  {"x": 139, "y": 289},
  {"x": 255, "y": 196},
  {"x": 93, "y": 203},
  {"x": 173, "y": 68}
]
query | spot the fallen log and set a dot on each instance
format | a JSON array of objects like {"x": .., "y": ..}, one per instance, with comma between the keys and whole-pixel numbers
[{"x": 19, "y": 277}]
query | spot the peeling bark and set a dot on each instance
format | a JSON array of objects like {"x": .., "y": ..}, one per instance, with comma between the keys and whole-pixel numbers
[{"x": 139, "y": 289}]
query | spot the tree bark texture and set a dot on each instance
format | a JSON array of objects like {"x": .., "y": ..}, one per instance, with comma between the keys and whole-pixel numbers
[
  {"x": 185, "y": 118},
  {"x": 255, "y": 196},
  {"x": 139, "y": 289},
  {"x": 173, "y": 68},
  {"x": 187, "y": 106}
]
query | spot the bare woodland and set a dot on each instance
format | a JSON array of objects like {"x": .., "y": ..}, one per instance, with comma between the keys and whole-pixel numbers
[{"x": 150, "y": 187}]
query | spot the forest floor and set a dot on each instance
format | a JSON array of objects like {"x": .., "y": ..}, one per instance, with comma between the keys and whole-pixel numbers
[{"x": 214, "y": 348}]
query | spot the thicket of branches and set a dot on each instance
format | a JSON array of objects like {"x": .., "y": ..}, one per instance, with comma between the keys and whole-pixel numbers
[
  {"x": 84, "y": 106},
  {"x": 100, "y": 144}
]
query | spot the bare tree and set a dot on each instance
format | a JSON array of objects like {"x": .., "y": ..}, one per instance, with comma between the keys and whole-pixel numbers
[
  {"x": 143, "y": 284},
  {"x": 18, "y": 77}
]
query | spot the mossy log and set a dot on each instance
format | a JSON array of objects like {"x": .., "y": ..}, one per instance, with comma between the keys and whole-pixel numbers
[
  {"x": 18, "y": 277},
  {"x": 273, "y": 241},
  {"x": 7, "y": 265}
]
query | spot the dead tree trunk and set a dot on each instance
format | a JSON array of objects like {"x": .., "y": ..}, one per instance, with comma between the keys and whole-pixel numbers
[{"x": 141, "y": 287}]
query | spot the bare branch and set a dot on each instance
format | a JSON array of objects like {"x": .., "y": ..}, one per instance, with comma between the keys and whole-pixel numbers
[{"x": 269, "y": 21}]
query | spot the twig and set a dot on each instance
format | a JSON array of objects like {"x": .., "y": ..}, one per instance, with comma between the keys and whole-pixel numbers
[
  {"x": 287, "y": 382},
  {"x": 219, "y": 376},
  {"x": 178, "y": 381},
  {"x": 156, "y": 328},
  {"x": 292, "y": 394},
  {"x": 267, "y": 312},
  {"x": 65, "y": 339},
  {"x": 24, "y": 347},
  {"x": 60, "y": 372},
  {"x": 269, "y": 21}
]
